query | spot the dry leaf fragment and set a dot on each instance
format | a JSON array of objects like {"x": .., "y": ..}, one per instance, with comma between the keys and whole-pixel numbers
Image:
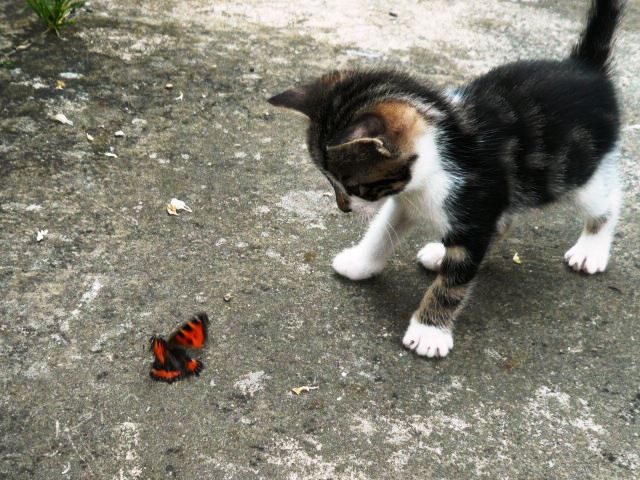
[
  {"x": 62, "y": 118},
  {"x": 179, "y": 97},
  {"x": 180, "y": 205},
  {"x": 60, "y": 84},
  {"x": 303, "y": 389},
  {"x": 516, "y": 259},
  {"x": 90, "y": 137},
  {"x": 171, "y": 210},
  {"x": 615, "y": 288},
  {"x": 41, "y": 234},
  {"x": 110, "y": 154}
]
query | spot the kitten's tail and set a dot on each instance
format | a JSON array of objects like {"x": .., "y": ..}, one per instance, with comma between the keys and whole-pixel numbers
[{"x": 594, "y": 46}]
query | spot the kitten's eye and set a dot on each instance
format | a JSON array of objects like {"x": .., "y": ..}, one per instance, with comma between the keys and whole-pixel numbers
[
  {"x": 360, "y": 191},
  {"x": 353, "y": 189}
]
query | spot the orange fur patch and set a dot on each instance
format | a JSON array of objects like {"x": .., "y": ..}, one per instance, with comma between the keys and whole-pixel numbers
[{"x": 404, "y": 124}]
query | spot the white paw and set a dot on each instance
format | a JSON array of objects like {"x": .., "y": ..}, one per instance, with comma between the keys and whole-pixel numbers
[
  {"x": 431, "y": 256},
  {"x": 427, "y": 340},
  {"x": 355, "y": 264},
  {"x": 590, "y": 254}
]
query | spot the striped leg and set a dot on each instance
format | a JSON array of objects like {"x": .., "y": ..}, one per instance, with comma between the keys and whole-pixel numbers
[{"x": 430, "y": 330}]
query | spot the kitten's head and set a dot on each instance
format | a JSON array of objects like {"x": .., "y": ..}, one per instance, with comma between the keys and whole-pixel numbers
[{"x": 363, "y": 132}]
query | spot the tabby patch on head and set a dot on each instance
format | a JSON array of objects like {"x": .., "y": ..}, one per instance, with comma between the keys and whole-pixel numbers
[{"x": 362, "y": 133}]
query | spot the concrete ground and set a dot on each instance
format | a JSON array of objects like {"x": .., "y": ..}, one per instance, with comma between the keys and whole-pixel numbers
[{"x": 543, "y": 381}]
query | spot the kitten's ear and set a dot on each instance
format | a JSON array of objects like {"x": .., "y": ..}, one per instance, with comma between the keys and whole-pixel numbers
[
  {"x": 303, "y": 99},
  {"x": 362, "y": 138},
  {"x": 367, "y": 127},
  {"x": 362, "y": 148},
  {"x": 297, "y": 99}
]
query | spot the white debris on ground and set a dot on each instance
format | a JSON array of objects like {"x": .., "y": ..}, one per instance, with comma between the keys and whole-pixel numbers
[
  {"x": 176, "y": 205},
  {"x": 251, "y": 383},
  {"x": 62, "y": 118}
]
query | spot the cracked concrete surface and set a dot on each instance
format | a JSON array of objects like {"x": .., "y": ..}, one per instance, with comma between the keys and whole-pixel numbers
[{"x": 543, "y": 381}]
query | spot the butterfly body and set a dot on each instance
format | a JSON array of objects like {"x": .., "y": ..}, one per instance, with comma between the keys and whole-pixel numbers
[{"x": 171, "y": 360}]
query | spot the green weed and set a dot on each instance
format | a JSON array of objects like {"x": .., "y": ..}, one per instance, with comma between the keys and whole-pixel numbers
[
  {"x": 6, "y": 63},
  {"x": 55, "y": 14}
]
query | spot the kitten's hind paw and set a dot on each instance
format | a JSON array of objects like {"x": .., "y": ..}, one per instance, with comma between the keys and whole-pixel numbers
[
  {"x": 355, "y": 264},
  {"x": 431, "y": 255},
  {"x": 427, "y": 340}
]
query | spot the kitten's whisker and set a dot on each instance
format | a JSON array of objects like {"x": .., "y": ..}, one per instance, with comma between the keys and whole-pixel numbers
[
  {"x": 393, "y": 230},
  {"x": 386, "y": 230},
  {"x": 411, "y": 204}
]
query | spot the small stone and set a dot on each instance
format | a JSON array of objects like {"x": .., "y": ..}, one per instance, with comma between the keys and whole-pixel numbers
[
  {"x": 169, "y": 86},
  {"x": 227, "y": 297},
  {"x": 119, "y": 133}
]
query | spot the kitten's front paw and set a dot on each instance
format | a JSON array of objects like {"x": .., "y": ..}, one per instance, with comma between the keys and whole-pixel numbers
[
  {"x": 354, "y": 264},
  {"x": 427, "y": 340},
  {"x": 588, "y": 255},
  {"x": 431, "y": 256}
]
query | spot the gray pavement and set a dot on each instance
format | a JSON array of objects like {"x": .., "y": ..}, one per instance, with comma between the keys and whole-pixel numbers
[{"x": 543, "y": 381}]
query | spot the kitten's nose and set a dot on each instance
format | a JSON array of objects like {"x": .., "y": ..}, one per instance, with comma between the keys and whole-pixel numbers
[{"x": 343, "y": 201}]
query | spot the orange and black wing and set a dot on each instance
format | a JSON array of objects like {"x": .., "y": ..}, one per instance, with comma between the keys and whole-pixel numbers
[
  {"x": 192, "y": 334},
  {"x": 171, "y": 364},
  {"x": 160, "y": 350},
  {"x": 166, "y": 366},
  {"x": 164, "y": 375},
  {"x": 194, "y": 367}
]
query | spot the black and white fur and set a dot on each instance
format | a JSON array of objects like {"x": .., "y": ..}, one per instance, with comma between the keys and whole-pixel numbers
[{"x": 523, "y": 135}]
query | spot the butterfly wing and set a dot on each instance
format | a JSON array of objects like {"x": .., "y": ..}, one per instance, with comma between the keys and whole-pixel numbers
[
  {"x": 194, "y": 367},
  {"x": 164, "y": 375},
  {"x": 167, "y": 367},
  {"x": 171, "y": 364},
  {"x": 192, "y": 334}
]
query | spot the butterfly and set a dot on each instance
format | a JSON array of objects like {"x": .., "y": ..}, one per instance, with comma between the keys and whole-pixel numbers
[{"x": 171, "y": 361}]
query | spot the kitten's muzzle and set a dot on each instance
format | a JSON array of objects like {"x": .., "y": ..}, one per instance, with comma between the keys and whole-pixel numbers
[{"x": 342, "y": 200}]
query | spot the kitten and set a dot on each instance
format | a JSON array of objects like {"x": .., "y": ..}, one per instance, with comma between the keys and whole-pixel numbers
[{"x": 523, "y": 135}]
